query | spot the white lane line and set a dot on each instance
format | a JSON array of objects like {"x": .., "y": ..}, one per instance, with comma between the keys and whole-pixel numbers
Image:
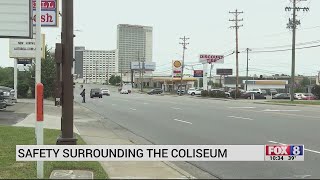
[
  {"x": 240, "y": 118},
  {"x": 280, "y": 110},
  {"x": 242, "y": 107},
  {"x": 145, "y": 103},
  {"x": 182, "y": 121},
  {"x": 318, "y": 152},
  {"x": 113, "y": 104},
  {"x": 132, "y": 109},
  {"x": 176, "y": 108}
]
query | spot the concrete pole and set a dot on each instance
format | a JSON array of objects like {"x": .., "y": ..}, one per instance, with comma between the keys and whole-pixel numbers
[{"x": 15, "y": 74}]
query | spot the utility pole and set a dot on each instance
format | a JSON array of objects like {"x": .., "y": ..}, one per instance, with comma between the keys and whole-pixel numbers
[
  {"x": 107, "y": 75},
  {"x": 237, "y": 26},
  {"x": 247, "y": 68},
  {"x": 211, "y": 67},
  {"x": 293, "y": 25},
  {"x": 67, "y": 137},
  {"x": 143, "y": 64},
  {"x": 140, "y": 80},
  {"x": 184, "y": 45}
]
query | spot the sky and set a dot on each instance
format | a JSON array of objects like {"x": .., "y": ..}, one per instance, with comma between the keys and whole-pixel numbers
[{"x": 206, "y": 23}]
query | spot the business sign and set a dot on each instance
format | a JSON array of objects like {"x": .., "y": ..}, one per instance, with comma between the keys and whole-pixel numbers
[
  {"x": 198, "y": 73},
  {"x": 208, "y": 58},
  {"x": 24, "y": 61},
  {"x": 148, "y": 66},
  {"x": 49, "y": 13},
  {"x": 25, "y": 48},
  {"x": 176, "y": 68},
  {"x": 224, "y": 71},
  {"x": 15, "y": 19}
]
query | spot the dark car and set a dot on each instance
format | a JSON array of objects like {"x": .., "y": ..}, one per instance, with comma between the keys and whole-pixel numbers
[
  {"x": 3, "y": 103},
  {"x": 95, "y": 93},
  {"x": 248, "y": 95},
  {"x": 155, "y": 91},
  {"x": 281, "y": 96},
  {"x": 182, "y": 91}
]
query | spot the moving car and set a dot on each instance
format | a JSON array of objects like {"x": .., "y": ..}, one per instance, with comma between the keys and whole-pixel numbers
[
  {"x": 105, "y": 91},
  {"x": 281, "y": 96},
  {"x": 8, "y": 95},
  {"x": 155, "y": 91},
  {"x": 308, "y": 96},
  {"x": 95, "y": 93},
  {"x": 124, "y": 91},
  {"x": 3, "y": 103},
  {"x": 194, "y": 91},
  {"x": 248, "y": 95}
]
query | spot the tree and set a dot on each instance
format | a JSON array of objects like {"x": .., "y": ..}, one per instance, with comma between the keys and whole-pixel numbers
[
  {"x": 304, "y": 82},
  {"x": 6, "y": 77},
  {"x": 114, "y": 80},
  {"x": 316, "y": 91}
]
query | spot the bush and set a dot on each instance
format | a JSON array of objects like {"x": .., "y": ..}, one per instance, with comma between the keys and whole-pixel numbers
[
  {"x": 23, "y": 89},
  {"x": 233, "y": 93},
  {"x": 217, "y": 94},
  {"x": 316, "y": 91},
  {"x": 204, "y": 93}
]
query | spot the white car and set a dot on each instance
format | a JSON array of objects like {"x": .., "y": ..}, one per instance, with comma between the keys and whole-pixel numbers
[
  {"x": 105, "y": 91},
  {"x": 259, "y": 91},
  {"x": 124, "y": 91},
  {"x": 194, "y": 91},
  {"x": 298, "y": 96}
]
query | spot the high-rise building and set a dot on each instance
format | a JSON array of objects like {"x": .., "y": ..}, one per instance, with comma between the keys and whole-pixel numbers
[
  {"x": 99, "y": 65},
  {"x": 133, "y": 41}
]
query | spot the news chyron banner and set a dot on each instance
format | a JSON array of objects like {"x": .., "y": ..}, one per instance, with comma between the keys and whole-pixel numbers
[{"x": 160, "y": 153}]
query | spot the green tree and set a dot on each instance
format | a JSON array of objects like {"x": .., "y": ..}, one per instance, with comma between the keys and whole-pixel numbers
[
  {"x": 114, "y": 80},
  {"x": 316, "y": 91},
  {"x": 305, "y": 82},
  {"x": 6, "y": 77}
]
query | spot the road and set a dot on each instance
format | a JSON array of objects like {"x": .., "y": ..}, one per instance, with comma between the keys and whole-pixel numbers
[{"x": 188, "y": 120}]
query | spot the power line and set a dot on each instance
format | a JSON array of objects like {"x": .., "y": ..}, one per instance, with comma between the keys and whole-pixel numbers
[{"x": 281, "y": 50}]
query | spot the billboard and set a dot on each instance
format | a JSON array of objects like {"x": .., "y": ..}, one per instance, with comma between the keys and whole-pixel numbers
[
  {"x": 15, "y": 19},
  {"x": 224, "y": 71},
  {"x": 209, "y": 58},
  {"x": 148, "y": 66},
  {"x": 176, "y": 68},
  {"x": 49, "y": 13},
  {"x": 198, "y": 73},
  {"x": 25, "y": 48}
]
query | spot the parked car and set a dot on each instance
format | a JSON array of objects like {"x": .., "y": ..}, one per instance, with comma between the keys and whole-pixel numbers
[
  {"x": 194, "y": 91},
  {"x": 255, "y": 91},
  {"x": 8, "y": 95},
  {"x": 221, "y": 90},
  {"x": 298, "y": 96},
  {"x": 95, "y": 93},
  {"x": 281, "y": 96},
  {"x": 3, "y": 103},
  {"x": 273, "y": 92},
  {"x": 308, "y": 96},
  {"x": 248, "y": 95},
  {"x": 155, "y": 91},
  {"x": 105, "y": 91},
  {"x": 124, "y": 91}
]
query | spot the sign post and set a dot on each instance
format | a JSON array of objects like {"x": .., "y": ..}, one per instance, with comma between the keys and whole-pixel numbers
[
  {"x": 39, "y": 125},
  {"x": 15, "y": 78}
]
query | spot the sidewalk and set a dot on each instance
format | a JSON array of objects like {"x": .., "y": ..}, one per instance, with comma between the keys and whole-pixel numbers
[{"x": 97, "y": 130}]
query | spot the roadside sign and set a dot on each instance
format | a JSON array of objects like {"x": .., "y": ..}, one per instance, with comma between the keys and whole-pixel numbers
[
  {"x": 148, "y": 66},
  {"x": 198, "y": 73},
  {"x": 15, "y": 19},
  {"x": 25, "y": 48},
  {"x": 176, "y": 68},
  {"x": 209, "y": 58},
  {"x": 49, "y": 13},
  {"x": 224, "y": 71}
]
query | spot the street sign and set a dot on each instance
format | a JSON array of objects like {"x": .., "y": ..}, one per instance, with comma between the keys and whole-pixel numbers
[
  {"x": 198, "y": 73},
  {"x": 49, "y": 13},
  {"x": 224, "y": 71},
  {"x": 148, "y": 66},
  {"x": 25, "y": 48},
  {"x": 176, "y": 68},
  {"x": 209, "y": 58},
  {"x": 15, "y": 19},
  {"x": 24, "y": 61}
]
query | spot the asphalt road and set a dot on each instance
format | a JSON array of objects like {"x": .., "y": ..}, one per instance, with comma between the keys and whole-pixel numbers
[{"x": 188, "y": 120}]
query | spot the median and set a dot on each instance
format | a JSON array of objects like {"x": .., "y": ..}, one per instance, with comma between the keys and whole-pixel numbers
[
  {"x": 11, "y": 169},
  {"x": 302, "y": 102}
]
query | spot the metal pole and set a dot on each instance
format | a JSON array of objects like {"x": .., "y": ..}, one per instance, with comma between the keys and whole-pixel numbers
[
  {"x": 181, "y": 80},
  {"x": 247, "y": 69},
  {"x": 67, "y": 137},
  {"x": 143, "y": 63},
  {"x": 15, "y": 74},
  {"x": 211, "y": 83},
  {"x": 293, "y": 51}
]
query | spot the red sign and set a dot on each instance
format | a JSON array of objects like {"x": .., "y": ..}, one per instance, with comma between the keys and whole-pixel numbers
[
  {"x": 198, "y": 73},
  {"x": 208, "y": 58},
  {"x": 48, "y": 5}
]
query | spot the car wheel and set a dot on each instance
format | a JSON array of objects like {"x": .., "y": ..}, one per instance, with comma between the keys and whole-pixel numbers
[
  {"x": 192, "y": 94},
  {"x": 91, "y": 96}
]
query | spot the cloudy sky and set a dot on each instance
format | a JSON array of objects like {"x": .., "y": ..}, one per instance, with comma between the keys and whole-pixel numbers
[{"x": 206, "y": 23}]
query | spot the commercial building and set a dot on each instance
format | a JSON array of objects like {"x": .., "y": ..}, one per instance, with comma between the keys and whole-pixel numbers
[
  {"x": 134, "y": 43},
  {"x": 95, "y": 65}
]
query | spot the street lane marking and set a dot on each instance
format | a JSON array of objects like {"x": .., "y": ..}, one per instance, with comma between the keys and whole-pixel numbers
[
  {"x": 132, "y": 109},
  {"x": 145, "y": 103},
  {"x": 176, "y": 108},
  {"x": 318, "y": 152},
  {"x": 113, "y": 104},
  {"x": 182, "y": 121},
  {"x": 280, "y": 110},
  {"x": 240, "y": 118},
  {"x": 242, "y": 107}
]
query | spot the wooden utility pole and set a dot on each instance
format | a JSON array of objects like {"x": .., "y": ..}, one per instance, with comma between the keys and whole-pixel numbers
[
  {"x": 237, "y": 26},
  {"x": 67, "y": 137},
  {"x": 247, "y": 73},
  {"x": 184, "y": 45},
  {"x": 293, "y": 25}
]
